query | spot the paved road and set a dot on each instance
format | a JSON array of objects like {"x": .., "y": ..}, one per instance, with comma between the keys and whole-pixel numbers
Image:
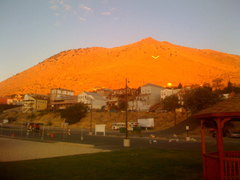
[
  {"x": 78, "y": 142},
  {"x": 112, "y": 140}
]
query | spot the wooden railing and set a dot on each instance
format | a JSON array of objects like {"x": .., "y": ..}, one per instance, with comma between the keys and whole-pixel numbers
[
  {"x": 234, "y": 154},
  {"x": 211, "y": 166},
  {"x": 231, "y": 165}
]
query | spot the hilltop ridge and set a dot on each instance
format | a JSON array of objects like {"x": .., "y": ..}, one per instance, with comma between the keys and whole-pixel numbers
[{"x": 145, "y": 61}]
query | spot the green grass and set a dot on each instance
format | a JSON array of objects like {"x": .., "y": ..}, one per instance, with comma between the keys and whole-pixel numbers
[{"x": 123, "y": 164}]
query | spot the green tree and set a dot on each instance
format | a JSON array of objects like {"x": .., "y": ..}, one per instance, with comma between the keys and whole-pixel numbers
[
  {"x": 122, "y": 105},
  {"x": 171, "y": 103},
  {"x": 114, "y": 107},
  {"x": 229, "y": 88},
  {"x": 207, "y": 85},
  {"x": 200, "y": 98},
  {"x": 179, "y": 86},
  {"x": 74, "y": 114}
]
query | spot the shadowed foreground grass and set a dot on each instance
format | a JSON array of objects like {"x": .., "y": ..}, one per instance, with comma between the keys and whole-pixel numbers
[{"x": 122, "y": 164}]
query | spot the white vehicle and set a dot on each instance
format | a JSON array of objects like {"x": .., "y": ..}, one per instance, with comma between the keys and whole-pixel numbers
[
  {"x": 118, "y": 125},
  {"x": 5, "y": 121},
  {"x": 132, "y": 124},
  {"x": 146, "y": 123}
]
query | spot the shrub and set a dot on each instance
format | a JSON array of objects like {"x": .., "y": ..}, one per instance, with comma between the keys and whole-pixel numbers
[
  {"x": 31, "y": 116},
  {"x": 74, "y": 114}
]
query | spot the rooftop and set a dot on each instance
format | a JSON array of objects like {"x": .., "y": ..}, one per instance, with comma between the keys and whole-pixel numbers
[{"x": 226, "y": 108}]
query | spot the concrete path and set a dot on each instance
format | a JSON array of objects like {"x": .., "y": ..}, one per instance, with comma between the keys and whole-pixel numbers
[{"x": 18, "y": 150}]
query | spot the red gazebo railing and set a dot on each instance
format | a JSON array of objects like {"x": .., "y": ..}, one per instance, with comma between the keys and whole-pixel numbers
[{"x": 231, "y": 165}]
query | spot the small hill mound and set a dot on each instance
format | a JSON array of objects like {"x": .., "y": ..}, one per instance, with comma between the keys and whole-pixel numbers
[{"x": 194, "y": 125}]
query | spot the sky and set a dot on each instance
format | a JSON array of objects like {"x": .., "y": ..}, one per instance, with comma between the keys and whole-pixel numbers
[{"x": 34, "y": 30}]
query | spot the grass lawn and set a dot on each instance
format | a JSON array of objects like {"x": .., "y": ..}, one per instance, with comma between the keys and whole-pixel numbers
[{"x": 131, "y": 164}]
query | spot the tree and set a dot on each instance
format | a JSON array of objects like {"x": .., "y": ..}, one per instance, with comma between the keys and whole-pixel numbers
[
  {"x": 229, "y": 88},
  {"x": 74, "y": 114},
  {"x": 114, "y": 107},
  {"x": 179, "y": 86},
  {"x": 217, "y": 83},
  {"x": 200, "y": 98},
  {"x": 207, "y": 85},
  {"x": 122, "y": 105},
  {"x": 171, "y": 103}
]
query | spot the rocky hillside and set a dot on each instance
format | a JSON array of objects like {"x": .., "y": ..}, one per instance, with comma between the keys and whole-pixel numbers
[{"x": 146, "y": 61}]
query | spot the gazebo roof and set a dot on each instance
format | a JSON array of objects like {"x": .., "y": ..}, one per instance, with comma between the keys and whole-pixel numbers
[{"x": 226, "y": 108}]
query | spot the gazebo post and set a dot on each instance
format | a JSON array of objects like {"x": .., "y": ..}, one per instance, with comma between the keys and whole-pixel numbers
[
  {"x": 219, "y": 165},
  {"x": 203, "y": 147},
  {"x": 219, "y": 139}
]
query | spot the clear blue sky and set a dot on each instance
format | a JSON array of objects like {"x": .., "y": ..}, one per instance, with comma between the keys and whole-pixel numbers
[{"x": 33, "y": 30}]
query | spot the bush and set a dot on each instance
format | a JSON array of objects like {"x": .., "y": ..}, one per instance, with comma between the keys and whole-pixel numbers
[
  {"x": 49, "y": 123},
  {"x": 31, "y": 116},
  {"x": 44, "y": 112},
  {"x": 74, "y": 114}
]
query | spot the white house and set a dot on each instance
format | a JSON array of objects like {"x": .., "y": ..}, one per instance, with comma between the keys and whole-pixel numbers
[
  {"x": 62, "y": 98},
  {"x": 150, "y": 95},
  {"x": 168, "y": 92},
  {"x": 96, "y": 100},
  {"x": 59, "y": 93}
]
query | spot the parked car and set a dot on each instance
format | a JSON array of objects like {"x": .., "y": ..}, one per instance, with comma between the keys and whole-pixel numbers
[
  {"x": 213, "y": 132},
  {"x": 5, "y": 121},
  {"x": 34, "y": 126},
  {"x": 235, "y": 135}
]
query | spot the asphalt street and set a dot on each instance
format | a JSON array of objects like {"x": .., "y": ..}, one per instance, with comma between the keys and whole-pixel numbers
[{"x": 113, "y": 140}]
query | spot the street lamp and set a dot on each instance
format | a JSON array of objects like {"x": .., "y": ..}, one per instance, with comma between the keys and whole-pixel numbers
[
  {"x": 187, "y": 138},
  {"x": 175, "y": 114},
  {"x": 126, "y": 141}
]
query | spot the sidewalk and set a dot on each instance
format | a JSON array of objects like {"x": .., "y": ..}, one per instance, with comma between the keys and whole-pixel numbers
[{"x": 18, "y": 150}]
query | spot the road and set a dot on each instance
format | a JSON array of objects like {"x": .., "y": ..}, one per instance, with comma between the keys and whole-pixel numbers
[{"x": 113, "y": 140}]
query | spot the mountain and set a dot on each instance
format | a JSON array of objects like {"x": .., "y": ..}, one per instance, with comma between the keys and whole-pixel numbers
[{"x": 146, "y": 61}]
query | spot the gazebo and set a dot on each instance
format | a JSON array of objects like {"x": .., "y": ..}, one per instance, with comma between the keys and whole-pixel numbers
[{"x": 222, "y": 164}]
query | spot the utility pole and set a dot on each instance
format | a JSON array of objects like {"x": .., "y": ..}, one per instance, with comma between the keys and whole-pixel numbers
[
  {"x": 90, "y": 133},
  {"x": 126, "y": 112},
  {"x": 126, "y": 141}
]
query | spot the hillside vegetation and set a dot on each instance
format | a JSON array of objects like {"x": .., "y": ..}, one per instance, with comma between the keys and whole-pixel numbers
[
  {"x": 162, "y": 120},
  {"x": 146, "y": 61}
]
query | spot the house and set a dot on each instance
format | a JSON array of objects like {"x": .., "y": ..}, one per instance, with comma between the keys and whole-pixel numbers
[
  {"x": 118, "y": 96},
  {"x": 104, "y": 92},
  {"x": 168, "y": 92},
  {"x": 95, "y": 100},
  {"x": 34, "y": 102},
  {"x": 150, "y": 95},
  {"x": 3, "y": 100},
  {"x": 62, "y": 98},
  {"x": 58, "y": 93}
]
